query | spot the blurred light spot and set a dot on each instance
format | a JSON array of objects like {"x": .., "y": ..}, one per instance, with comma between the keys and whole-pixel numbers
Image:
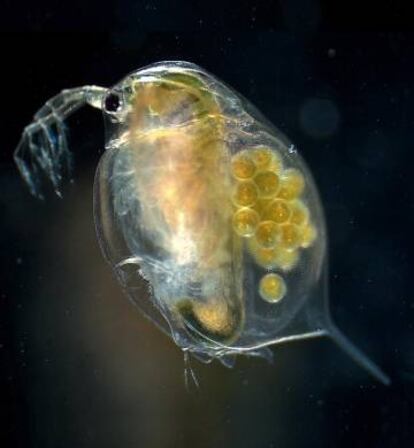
[
  {"x": 331, "y": 52},
  {"x": 319, "y": 117}
]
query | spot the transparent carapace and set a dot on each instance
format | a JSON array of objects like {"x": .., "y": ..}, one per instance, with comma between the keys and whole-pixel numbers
[{"x": 207, "y": 214}]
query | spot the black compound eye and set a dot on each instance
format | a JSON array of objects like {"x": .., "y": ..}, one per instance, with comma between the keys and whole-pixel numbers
[{"x": 112, "y": 102}]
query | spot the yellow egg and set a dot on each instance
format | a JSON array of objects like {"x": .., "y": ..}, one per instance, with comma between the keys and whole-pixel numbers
[
  {"x": 277, "y": 211},
  {"x": 267, "y": 233},
  {"x": 242, "y": 166},
  {"x": 276, "y": 164},
  {"x": 292, "y": 184},
  {"x": 245, "y": 222},
  {"x": 299, "y": 213},
  {"x": 309, "y": 234},
  {"x": 272, "y": 288},
  {"x": 245, "y": 194},
  {"x": 262, "y": 156},
  {"x": 285, "y": 259},
  {"x": 267, "y": 183},
  {"x": 261, "y": 205},
  {"x": 263, "y": 256},
  {"x": 290, "y": 236}
]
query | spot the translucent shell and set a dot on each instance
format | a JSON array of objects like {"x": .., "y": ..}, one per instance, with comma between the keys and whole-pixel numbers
[
  {"x": 200, "y": 197},
  {"x": 207, "y": 214},
  {"x": 216, "y": 210}
]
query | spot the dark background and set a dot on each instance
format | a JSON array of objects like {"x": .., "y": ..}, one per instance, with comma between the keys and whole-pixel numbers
[{"x": 79, "y": 366}]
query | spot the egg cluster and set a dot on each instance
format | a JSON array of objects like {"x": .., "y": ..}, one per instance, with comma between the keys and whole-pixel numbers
[{"x": 270, "y": 214}]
